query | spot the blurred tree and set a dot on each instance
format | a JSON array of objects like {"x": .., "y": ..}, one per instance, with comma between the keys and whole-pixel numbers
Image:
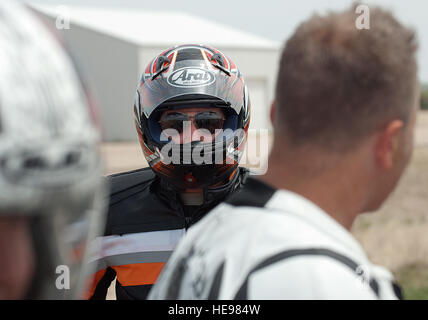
[{"x": 424, "y": 96}]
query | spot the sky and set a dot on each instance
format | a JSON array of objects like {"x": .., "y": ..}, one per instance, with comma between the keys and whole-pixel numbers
[{"x": 274, "y": 19}]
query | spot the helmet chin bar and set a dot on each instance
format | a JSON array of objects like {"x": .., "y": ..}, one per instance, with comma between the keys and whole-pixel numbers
[
  {"x": 198, "y": 165},
  {"x": 195, "y": 176}
]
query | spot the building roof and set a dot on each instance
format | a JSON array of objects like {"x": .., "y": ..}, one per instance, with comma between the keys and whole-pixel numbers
[{"x": 156, "y": 28}]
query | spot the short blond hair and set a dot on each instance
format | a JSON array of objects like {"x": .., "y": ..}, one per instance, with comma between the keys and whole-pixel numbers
[{"x": 337, "y": 84}]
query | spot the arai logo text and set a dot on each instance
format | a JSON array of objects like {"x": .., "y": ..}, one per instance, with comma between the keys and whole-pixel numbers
[{"x": 191, "y": 77}]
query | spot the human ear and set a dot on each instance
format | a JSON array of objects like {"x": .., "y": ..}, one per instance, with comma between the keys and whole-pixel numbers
[{"x": 387, "y": 146}]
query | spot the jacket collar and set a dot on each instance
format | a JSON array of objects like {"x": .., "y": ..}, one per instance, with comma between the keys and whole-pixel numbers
[
  {"x": 297, "y": 205},
  {"x": 256, "y": 193},
  {"x": 212, "y": 196}
]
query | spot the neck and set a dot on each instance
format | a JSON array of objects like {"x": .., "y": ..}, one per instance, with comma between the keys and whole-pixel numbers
[
  {"x": 192, "y": 198},
  {"x": 333, "y": 182},
  {"x": 195, "y": 197}
]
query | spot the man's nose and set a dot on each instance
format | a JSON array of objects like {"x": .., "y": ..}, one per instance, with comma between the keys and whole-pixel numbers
[{"x": 189, "y": 134}]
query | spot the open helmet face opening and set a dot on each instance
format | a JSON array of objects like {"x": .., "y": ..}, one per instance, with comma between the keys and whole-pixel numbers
[{"x": 192, "y": 76}]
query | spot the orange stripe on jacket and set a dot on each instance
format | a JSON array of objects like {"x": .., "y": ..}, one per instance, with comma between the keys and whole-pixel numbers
[
  {"x": 93, "y": 282},
  {"x": 138, "y": 273}
]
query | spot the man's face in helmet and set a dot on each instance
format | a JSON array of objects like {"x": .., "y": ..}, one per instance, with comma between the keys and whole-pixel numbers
[
  {"x": 192, "y": 124},
  {"x": 17, "y": 260}
]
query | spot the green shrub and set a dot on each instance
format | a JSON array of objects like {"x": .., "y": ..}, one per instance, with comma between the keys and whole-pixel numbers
[{"x": 415, "y": 293}]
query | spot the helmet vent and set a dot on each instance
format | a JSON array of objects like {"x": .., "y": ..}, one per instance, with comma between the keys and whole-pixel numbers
[
  {"x": 189, "y": 54},
  {"x": 72, "y": 157},
  {"x": 161, "y": 61},
  {"x": 34, "y": 163},
  {"x": 218, "y": 58}
]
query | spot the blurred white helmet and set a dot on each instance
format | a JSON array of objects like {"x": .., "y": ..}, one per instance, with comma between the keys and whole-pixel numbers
[{"x": 50, "y": 168}]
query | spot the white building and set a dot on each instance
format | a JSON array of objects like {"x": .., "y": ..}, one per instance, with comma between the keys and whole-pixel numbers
[{"x": 113, "y": 47}]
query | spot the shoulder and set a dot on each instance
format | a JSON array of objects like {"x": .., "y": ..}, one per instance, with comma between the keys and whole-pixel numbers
[
  {"x": 126, "y": 184},
  {"x": 123, "y": 181},
  {"x": 309, "y": 277},
  {"x": 134, "y": 207},
  {"x": 292, "y": 261}
]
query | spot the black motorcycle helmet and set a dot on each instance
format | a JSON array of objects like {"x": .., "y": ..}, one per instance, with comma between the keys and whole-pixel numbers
[{"x": 192, "y": 76}]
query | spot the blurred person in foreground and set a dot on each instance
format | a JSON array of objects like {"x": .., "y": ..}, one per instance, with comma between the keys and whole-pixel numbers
[
  {"x": 192, "y": 113},
  {"x": 51, "y": 192},
  {"x": 344, "y": 117}
]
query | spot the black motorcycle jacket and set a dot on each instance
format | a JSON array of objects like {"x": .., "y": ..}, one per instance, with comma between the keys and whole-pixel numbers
[{"x": 146, "y": 218}]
